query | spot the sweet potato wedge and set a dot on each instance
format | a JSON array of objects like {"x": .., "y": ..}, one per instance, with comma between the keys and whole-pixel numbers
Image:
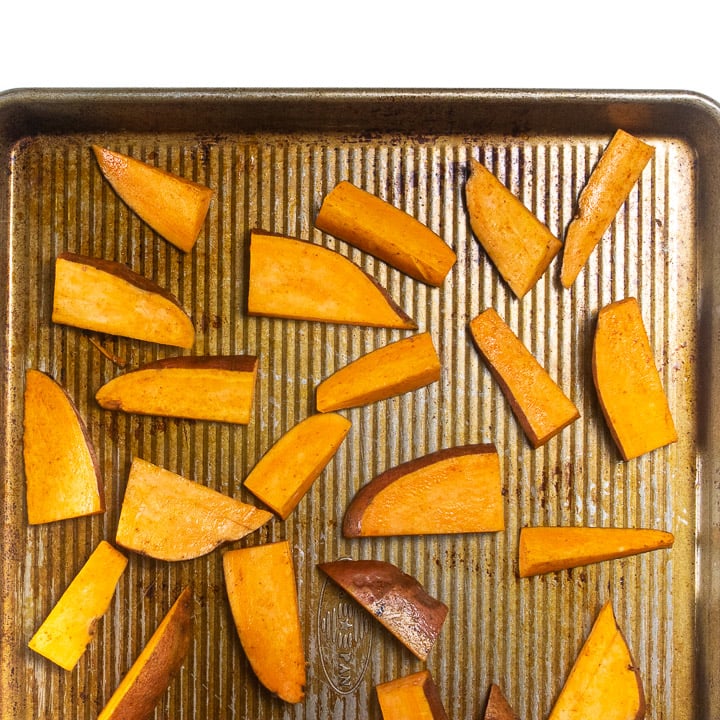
[
  {"x": 608, "y": 187},
  {"x": 168, "y": 517},
  {"x": 171, "y": 205},
  {"x": 541, "y": 407},
  {"x": 412, "y": 697},
  {"x": 375, "y": 226},
  {"x": 518, "y": 244},
  {"x": 450, "y": 491},
  {"x": 498, "y": 708},
  {"x": 395, "y": 599},
  {"x": 295, "y": 279},
  {"x": 108, "y": 297},
  {"x": 399, "y": 367},
  {"x": 152, "y": 672},
  {"x": 287, "y": 470},
  {"x": 67, "y": 631},
  {"x": 628, "y": 383},
  {"x": 604, "y": 681},
  {"x": 546, "y": 549},
  {"x": 261, "y": 588},
  {"x": 63, "y": 478},
  {"x": 219, "y": 388}
]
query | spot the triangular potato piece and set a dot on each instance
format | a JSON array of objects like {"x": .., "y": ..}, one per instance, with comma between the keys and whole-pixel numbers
[
  {"x": 261, "y": 588},
  {"x": 628, "y": 383},
  {"x": 412, "y": 696},
  {"x": 66, "y": 632},
  {"x": 457, "y": 490},
  {"x": 173, "y": 206},
  {"x": 287, "y": 470},
  {"x": 519, "y": 245},
  {"x": 610, "y": 183},
  {"x": 167, "y": 517},
  {"x": 541, "y": 407},
  {"x": 394, "y": 598},
  {"x": 63, "y": 478},
  {"x": 390, "y": 370},
  {"x": 498, "y": 708},
  {"x": 604, "y": 681},
  {"x": 295, "y": 279},
  {"x": 153, "y": 670},
  {"x": 107, "y": 297},
  {"x": 375, "y": 226},
  {"x": 219, "y": 388},
  {"x": 547, "y": 549}
]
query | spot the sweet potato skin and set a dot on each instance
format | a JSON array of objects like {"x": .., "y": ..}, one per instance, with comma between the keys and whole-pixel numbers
[{"x": 498, "y": 708}]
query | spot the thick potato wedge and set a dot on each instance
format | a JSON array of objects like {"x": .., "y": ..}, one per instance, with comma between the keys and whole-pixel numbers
[{"x": 411, "y": 697}]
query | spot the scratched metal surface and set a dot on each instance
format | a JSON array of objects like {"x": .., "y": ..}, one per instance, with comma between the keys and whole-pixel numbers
[{"x": 271, "y": 156}]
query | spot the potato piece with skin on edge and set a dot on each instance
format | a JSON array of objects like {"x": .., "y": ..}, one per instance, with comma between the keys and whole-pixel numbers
[
  {"x": 287, "y": 470},
  {"x": 172, "y": 205},
  {"x": 262, "y": 591},
  {"x": 152, "y": 672},
  {"x": 393, "y": 369},
  {"x": 411, "y": 697},
  {"x": 498, "y": 708},
  {"x": 375, "y": 226}
]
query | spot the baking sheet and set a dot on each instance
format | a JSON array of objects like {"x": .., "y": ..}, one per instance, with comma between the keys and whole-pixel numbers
[{"x": 271, "y": 156}]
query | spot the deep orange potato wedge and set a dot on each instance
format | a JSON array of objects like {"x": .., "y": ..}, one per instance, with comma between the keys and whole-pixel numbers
[
  {"x": 610, "y": 183},
  {"x": 261, "y": 587},
  {"x": 393, "y": 369},
  {"x": 168, "y": 517},
  {"x": 394, "y": 598},
  {"x": 67, "y": 631},
  {"x": 547, "y": 549},
  {"x": 604, "y": 681},
  {"x": 171, "y": 205},
  {"x": 63, "y": 478},
  {"x": 518, "y": 244},
  {"x": 628, "y": 383},
  {"x": 287, "y": 470},
  {"x": 458, "y": 490},
  {"x": 413, "y": 696},
  {"x": 498, "y": 708},
  {"x": 295, "y": 279},
  {"x": 375, "y": 226},
  {"x": 541, "y": 407},
  {"x": 219, "y": 388},
  {"x": 108, "y": 297},
  {"x": 153, "y": 670}
]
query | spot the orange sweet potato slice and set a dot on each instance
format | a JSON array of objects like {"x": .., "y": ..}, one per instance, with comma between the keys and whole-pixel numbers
[
  {"x": 457, "y": 490},
  {"x": 518, "y": 244},
  {"x": 375, "y": 226},
  {"x": 291, "y": 278},
  {"x": 287, "y": 470},
  {"x": 628, "y": 383},
  {"x": 609, "y": 185},
  {"x": 395, "y": 599},
  {"x": 63, "y": 478},
  {"x": 412, "y": 696},
  {"x": 219, "y": 388},
  {"x": 67, "y": 631},
  {"x": 168, "y": 517},
  {"x": 498, "y": 708},
  {"x": 261, "y": 588},
  {"x": 173, "y": 206},
  {"x": 108, "y": 297},
  {"x": 539, "y": 404},
  {"x": 604, "y": 681},
  {"x": 399, "y": 367},
  {"x": 152, "y": 672},
  {"x": 546, "y": 549}
]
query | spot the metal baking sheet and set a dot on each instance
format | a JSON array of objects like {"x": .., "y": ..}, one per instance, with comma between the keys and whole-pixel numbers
[{"x": 270, "y": 156}]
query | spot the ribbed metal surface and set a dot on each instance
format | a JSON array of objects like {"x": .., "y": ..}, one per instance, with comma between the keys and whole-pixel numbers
[{"x": 522, "y": 634}]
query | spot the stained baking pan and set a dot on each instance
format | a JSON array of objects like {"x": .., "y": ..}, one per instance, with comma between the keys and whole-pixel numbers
[{"x": 271, "y": 156}]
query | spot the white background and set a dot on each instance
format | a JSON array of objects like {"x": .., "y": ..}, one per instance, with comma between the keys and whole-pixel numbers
[{"x": 368, "y": 43}]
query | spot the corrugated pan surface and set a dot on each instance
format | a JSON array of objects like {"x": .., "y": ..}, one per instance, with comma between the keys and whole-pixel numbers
[{"x": 271, "y": 157}]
